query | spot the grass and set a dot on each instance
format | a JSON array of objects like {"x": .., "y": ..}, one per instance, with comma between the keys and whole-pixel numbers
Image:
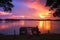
[{"x": 29, "y": 37}]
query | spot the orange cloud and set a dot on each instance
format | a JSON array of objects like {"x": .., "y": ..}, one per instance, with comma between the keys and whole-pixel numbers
[{"x": 41, "y": 10}]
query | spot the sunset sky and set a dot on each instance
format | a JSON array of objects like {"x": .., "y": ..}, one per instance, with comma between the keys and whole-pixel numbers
[{"x": 27, "y": 9}]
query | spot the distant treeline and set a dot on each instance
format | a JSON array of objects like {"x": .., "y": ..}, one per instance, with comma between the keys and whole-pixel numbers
[
  {"x": 29, "y": 19},
  {"x": 9, "y": 19}
]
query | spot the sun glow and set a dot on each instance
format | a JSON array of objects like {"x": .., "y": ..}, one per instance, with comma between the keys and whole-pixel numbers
[{"x": 44, "y": 25}]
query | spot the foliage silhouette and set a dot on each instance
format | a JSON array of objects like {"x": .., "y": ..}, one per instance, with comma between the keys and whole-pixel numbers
[
  {"x": 6, "y": 5},
  {"x": 54, "y": 4}
]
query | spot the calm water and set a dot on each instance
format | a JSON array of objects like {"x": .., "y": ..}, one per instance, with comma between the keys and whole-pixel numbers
[{"x": 9, "y": 27}]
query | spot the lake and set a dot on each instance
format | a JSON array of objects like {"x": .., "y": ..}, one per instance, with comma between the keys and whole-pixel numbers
[{"x": 8, "y": 27}]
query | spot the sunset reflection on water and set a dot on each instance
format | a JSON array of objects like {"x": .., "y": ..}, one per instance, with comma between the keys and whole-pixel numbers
[{"x": 44, "y": 26}]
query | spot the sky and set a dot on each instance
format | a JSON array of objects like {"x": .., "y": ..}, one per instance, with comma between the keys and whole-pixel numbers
[{"x": 26, "y": 9}]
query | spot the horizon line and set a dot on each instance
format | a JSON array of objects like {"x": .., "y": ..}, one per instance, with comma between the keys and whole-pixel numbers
[{"x": 29, "y": 19}]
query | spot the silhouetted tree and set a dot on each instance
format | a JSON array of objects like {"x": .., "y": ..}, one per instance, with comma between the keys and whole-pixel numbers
[
  {"x": 57, "y": 12},
  {"x": 54, "y": 4},
  {"x": 49, "y": 2},
  {"x": 6, "y": 5}
]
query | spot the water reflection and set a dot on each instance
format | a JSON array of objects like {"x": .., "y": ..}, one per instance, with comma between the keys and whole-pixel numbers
[
  {"x": 10, "y": 26},
  {"x": 44, "y": 26}
]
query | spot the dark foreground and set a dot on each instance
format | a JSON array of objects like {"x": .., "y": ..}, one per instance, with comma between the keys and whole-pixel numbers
[{"x": 29, "y": 37}]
